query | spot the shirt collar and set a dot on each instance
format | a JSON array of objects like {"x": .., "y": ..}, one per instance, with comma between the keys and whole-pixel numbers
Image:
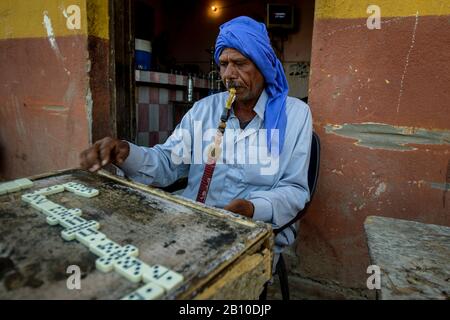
[{"x": 260, "y": 106}]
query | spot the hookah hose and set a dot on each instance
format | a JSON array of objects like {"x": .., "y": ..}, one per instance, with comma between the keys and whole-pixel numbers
[{"x": 214, "y": 149}]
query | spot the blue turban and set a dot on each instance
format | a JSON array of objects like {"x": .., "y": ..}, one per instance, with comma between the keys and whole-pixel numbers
[{"x": 250, "y": 38}]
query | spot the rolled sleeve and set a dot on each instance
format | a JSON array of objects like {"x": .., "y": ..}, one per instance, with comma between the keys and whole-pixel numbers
[
  {"x": 134, "y": 161},
  {"x": 263, "y": 209}
]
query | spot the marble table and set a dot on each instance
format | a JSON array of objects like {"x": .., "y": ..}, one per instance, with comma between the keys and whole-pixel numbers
[{"x": 414, "y": 258}]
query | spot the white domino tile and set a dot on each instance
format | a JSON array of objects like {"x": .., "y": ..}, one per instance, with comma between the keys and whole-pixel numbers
[
  {"x": 70, "y": 221},
  {"x": 133, "y": 296},
  {"x": 55, "y": 211},
  {"x": 24, "y": 183},
  {"x": 75, "y": 211},
  {"x": 56, "y": 218},
  {"x": 10, "y": 187},
  {"x": 55, "y": 215},
  {"x": 62, "y": 211},
  {"x": 40, "y": 203},
  {"x": 69, "y": 234},
  {"x": 81, "y": 190},
  {"x": 53, "y": 221},
  {"x": 129, "y": 250},
  {"x": 169, "y": 280},
  {"x": 103, "y": 248},
  {"x": 72, "y": 186},
  {"x": 30, "y": 197},
  {"x": 106, "y": 263},
  {"x": 87, "y": 192},
  {"x": 131, "y": 268},
  {"x": 150, "y": 291},
  {"x": 3, "y": 189},
  {"x": 153, "y": 273},
  {"x": 112, "y": 252},
  {"x": 50, "y": 190},
  {"x": 15, "y": 185},
  {"x": 89, "y": 236},
  {"x": 46, "y": 207}
]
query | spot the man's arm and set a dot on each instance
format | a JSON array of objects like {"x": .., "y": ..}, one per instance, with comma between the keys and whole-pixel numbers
[
  {"x": 162, "y": 164},
  {"x": 102, "y": 152}
]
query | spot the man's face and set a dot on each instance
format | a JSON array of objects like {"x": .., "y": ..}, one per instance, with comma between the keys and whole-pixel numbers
[{"x": 242, "y": 74}]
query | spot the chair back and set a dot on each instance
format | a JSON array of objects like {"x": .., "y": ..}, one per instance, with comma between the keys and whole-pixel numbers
[{"x": 313, "y": 176}]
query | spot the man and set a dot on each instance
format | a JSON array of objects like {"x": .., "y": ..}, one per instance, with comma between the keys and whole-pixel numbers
[{"x": 248, "y": 63}]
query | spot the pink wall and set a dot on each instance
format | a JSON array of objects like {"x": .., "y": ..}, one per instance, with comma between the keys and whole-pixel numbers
[{"x": 43, "y": 114}]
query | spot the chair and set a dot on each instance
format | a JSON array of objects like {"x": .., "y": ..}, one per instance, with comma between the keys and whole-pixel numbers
[{"x": 313, "y": 175}]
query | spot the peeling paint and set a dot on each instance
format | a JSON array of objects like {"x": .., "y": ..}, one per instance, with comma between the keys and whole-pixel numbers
[
  {"x": 419, "y": 183},
  {"x": 388, "y": 137},
  {"x": 55, "y": 108},
  {"x": 50, "y": 34},
  {"x": 89, "y": 103},
  {"x": 405, "y": 69},
  {"x": 447, "y": 180},
  {"x": 18, "y": 116},
  {"x": 52, "y": 39},
  {"x": 380, "y": 189},
  {"x": 435, "y": 185},
  {"x": 440, "y": 186},
  {"x": 71, "y": 92},
  {"x": 339, "y": 172}
]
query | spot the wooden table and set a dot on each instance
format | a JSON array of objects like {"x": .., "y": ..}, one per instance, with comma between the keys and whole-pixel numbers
[
  {"x": 220, "y": 255},
  {"x": 414, "y": 258}
]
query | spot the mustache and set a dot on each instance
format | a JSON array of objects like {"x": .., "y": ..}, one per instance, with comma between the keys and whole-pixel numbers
[{"x": 233, "y": 84}]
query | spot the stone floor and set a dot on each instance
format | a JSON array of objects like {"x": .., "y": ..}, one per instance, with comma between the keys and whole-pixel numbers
[{"x": 301, "y": 288}]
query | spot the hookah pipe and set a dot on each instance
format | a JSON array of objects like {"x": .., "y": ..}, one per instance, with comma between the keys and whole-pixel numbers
[{"x": 214, "y": 148}]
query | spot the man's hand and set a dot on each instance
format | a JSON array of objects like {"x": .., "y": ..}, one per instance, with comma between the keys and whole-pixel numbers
[
  {"x": 242, "y": 207},
  {"x": 104, "y": 151}
]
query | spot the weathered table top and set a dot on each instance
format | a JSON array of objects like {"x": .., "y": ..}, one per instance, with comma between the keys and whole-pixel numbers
[
  {"x": 194, "y": 240},
  {"x": 414, "y": 258}
]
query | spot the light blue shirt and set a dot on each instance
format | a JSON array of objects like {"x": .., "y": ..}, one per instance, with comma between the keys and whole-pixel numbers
[{"x": 276, "y": 197}]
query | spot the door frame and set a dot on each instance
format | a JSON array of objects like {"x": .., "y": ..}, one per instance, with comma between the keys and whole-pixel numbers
[{"x": 121, "y": 69}]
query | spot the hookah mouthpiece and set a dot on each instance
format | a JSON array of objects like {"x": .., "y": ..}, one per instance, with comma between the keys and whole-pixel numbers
[{"x": 231, "y": 98}]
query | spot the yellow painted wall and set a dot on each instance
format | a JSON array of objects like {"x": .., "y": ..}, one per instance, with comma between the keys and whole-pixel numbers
[
  {"x": 350, "y": 9},
  {"x": 98, "y": 18},
  {"x": 25, "y": 19},
  {"x": 45, "y": 63}
]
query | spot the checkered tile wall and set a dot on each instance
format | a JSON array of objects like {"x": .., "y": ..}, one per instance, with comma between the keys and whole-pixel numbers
[{"x": 157, "y": 110}]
